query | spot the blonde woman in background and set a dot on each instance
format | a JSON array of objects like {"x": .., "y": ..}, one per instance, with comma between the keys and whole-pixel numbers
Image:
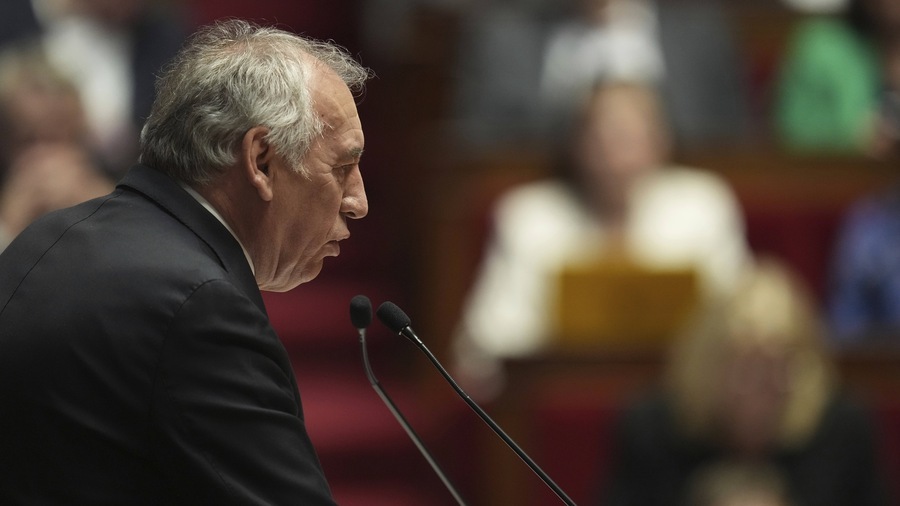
[{"x": 750, "y": 384}]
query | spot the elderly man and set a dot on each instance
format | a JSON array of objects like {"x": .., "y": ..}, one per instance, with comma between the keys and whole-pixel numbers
[{"x": 137, "y": 363}]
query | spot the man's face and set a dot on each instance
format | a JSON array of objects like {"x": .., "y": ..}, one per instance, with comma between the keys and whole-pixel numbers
[{"x": 311, "y": 210}]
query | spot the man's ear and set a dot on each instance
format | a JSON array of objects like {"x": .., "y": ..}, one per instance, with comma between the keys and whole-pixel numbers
[{"x": 256, "y": 156}]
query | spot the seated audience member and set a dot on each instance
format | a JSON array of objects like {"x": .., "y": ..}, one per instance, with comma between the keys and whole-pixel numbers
[
  {"x": 834, "y": 73},
  {"x": 684, "y": 48},
  {"x": 496, "y": 94},
  {"x": 45, "y": 161},
  {"x": 111, "y": 51},
  {"x": 749, "y": 384},
  {"x": 620, "y": 197},
  {"x": 524, "y": 66},
  {"x": 864, "y": 296}
]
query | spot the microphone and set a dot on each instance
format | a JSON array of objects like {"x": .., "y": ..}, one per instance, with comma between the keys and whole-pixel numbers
[
  {"x": 361, "y": 317},
  {"x": 396, "y": 320}
]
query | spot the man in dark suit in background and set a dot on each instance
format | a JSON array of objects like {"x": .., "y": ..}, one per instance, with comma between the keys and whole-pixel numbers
[{"x": 137, "y": 363}]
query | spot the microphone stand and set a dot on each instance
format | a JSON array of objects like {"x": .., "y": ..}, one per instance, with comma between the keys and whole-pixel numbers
[
  {"x": 402, "y": 420},
  {"x": 408, "y": 332}
]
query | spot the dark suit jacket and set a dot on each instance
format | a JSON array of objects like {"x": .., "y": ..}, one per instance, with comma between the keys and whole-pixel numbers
[{"x": 137, "y": 363}]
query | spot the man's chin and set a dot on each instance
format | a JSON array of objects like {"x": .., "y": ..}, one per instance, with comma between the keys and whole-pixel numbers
[{"x": 295, "y": 279}]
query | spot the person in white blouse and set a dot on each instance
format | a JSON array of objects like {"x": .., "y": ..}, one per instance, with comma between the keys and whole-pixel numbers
[{"x": 623, "y": 198}]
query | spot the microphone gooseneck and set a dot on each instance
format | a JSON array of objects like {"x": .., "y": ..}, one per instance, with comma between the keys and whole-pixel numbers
[
  {"x": 361, "y": 317},
  {"x": 397, "y": 321}
]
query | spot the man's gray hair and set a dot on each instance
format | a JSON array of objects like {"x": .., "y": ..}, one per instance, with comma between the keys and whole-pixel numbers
[{"x": 230, "y": 77}]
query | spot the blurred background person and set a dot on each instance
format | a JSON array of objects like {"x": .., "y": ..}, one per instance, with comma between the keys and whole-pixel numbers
[
  {"x": 834, "y": 73},
  {"x": 111, "y": 51},
  {"x": 685, "y": 48},
  {"x": 45, "y": 158},
  {"x": 495, "y": 95},
  {"x": 863, "y": 300},
  {"x": 618, "y": 196},
  {"x": 750, "y": 383},
  {"x": 525, "y": 65}
]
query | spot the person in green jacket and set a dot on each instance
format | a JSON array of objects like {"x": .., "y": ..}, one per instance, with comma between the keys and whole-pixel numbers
[{"x": 835, "y": 72}]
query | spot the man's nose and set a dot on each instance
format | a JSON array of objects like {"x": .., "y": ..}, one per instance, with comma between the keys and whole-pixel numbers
[{"x": 355, "y": 204}]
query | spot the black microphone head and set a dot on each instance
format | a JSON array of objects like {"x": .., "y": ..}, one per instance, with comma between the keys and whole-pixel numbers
[
  {"x": 393, "y": 317},
  {"x": 360, "y": 311}
]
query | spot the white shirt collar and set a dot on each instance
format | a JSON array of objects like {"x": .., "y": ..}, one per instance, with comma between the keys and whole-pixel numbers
[{"x": 212, "y": 210}]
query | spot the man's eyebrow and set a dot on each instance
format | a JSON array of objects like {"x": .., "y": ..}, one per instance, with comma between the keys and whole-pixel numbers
[{"x": 354, "y": 154}]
